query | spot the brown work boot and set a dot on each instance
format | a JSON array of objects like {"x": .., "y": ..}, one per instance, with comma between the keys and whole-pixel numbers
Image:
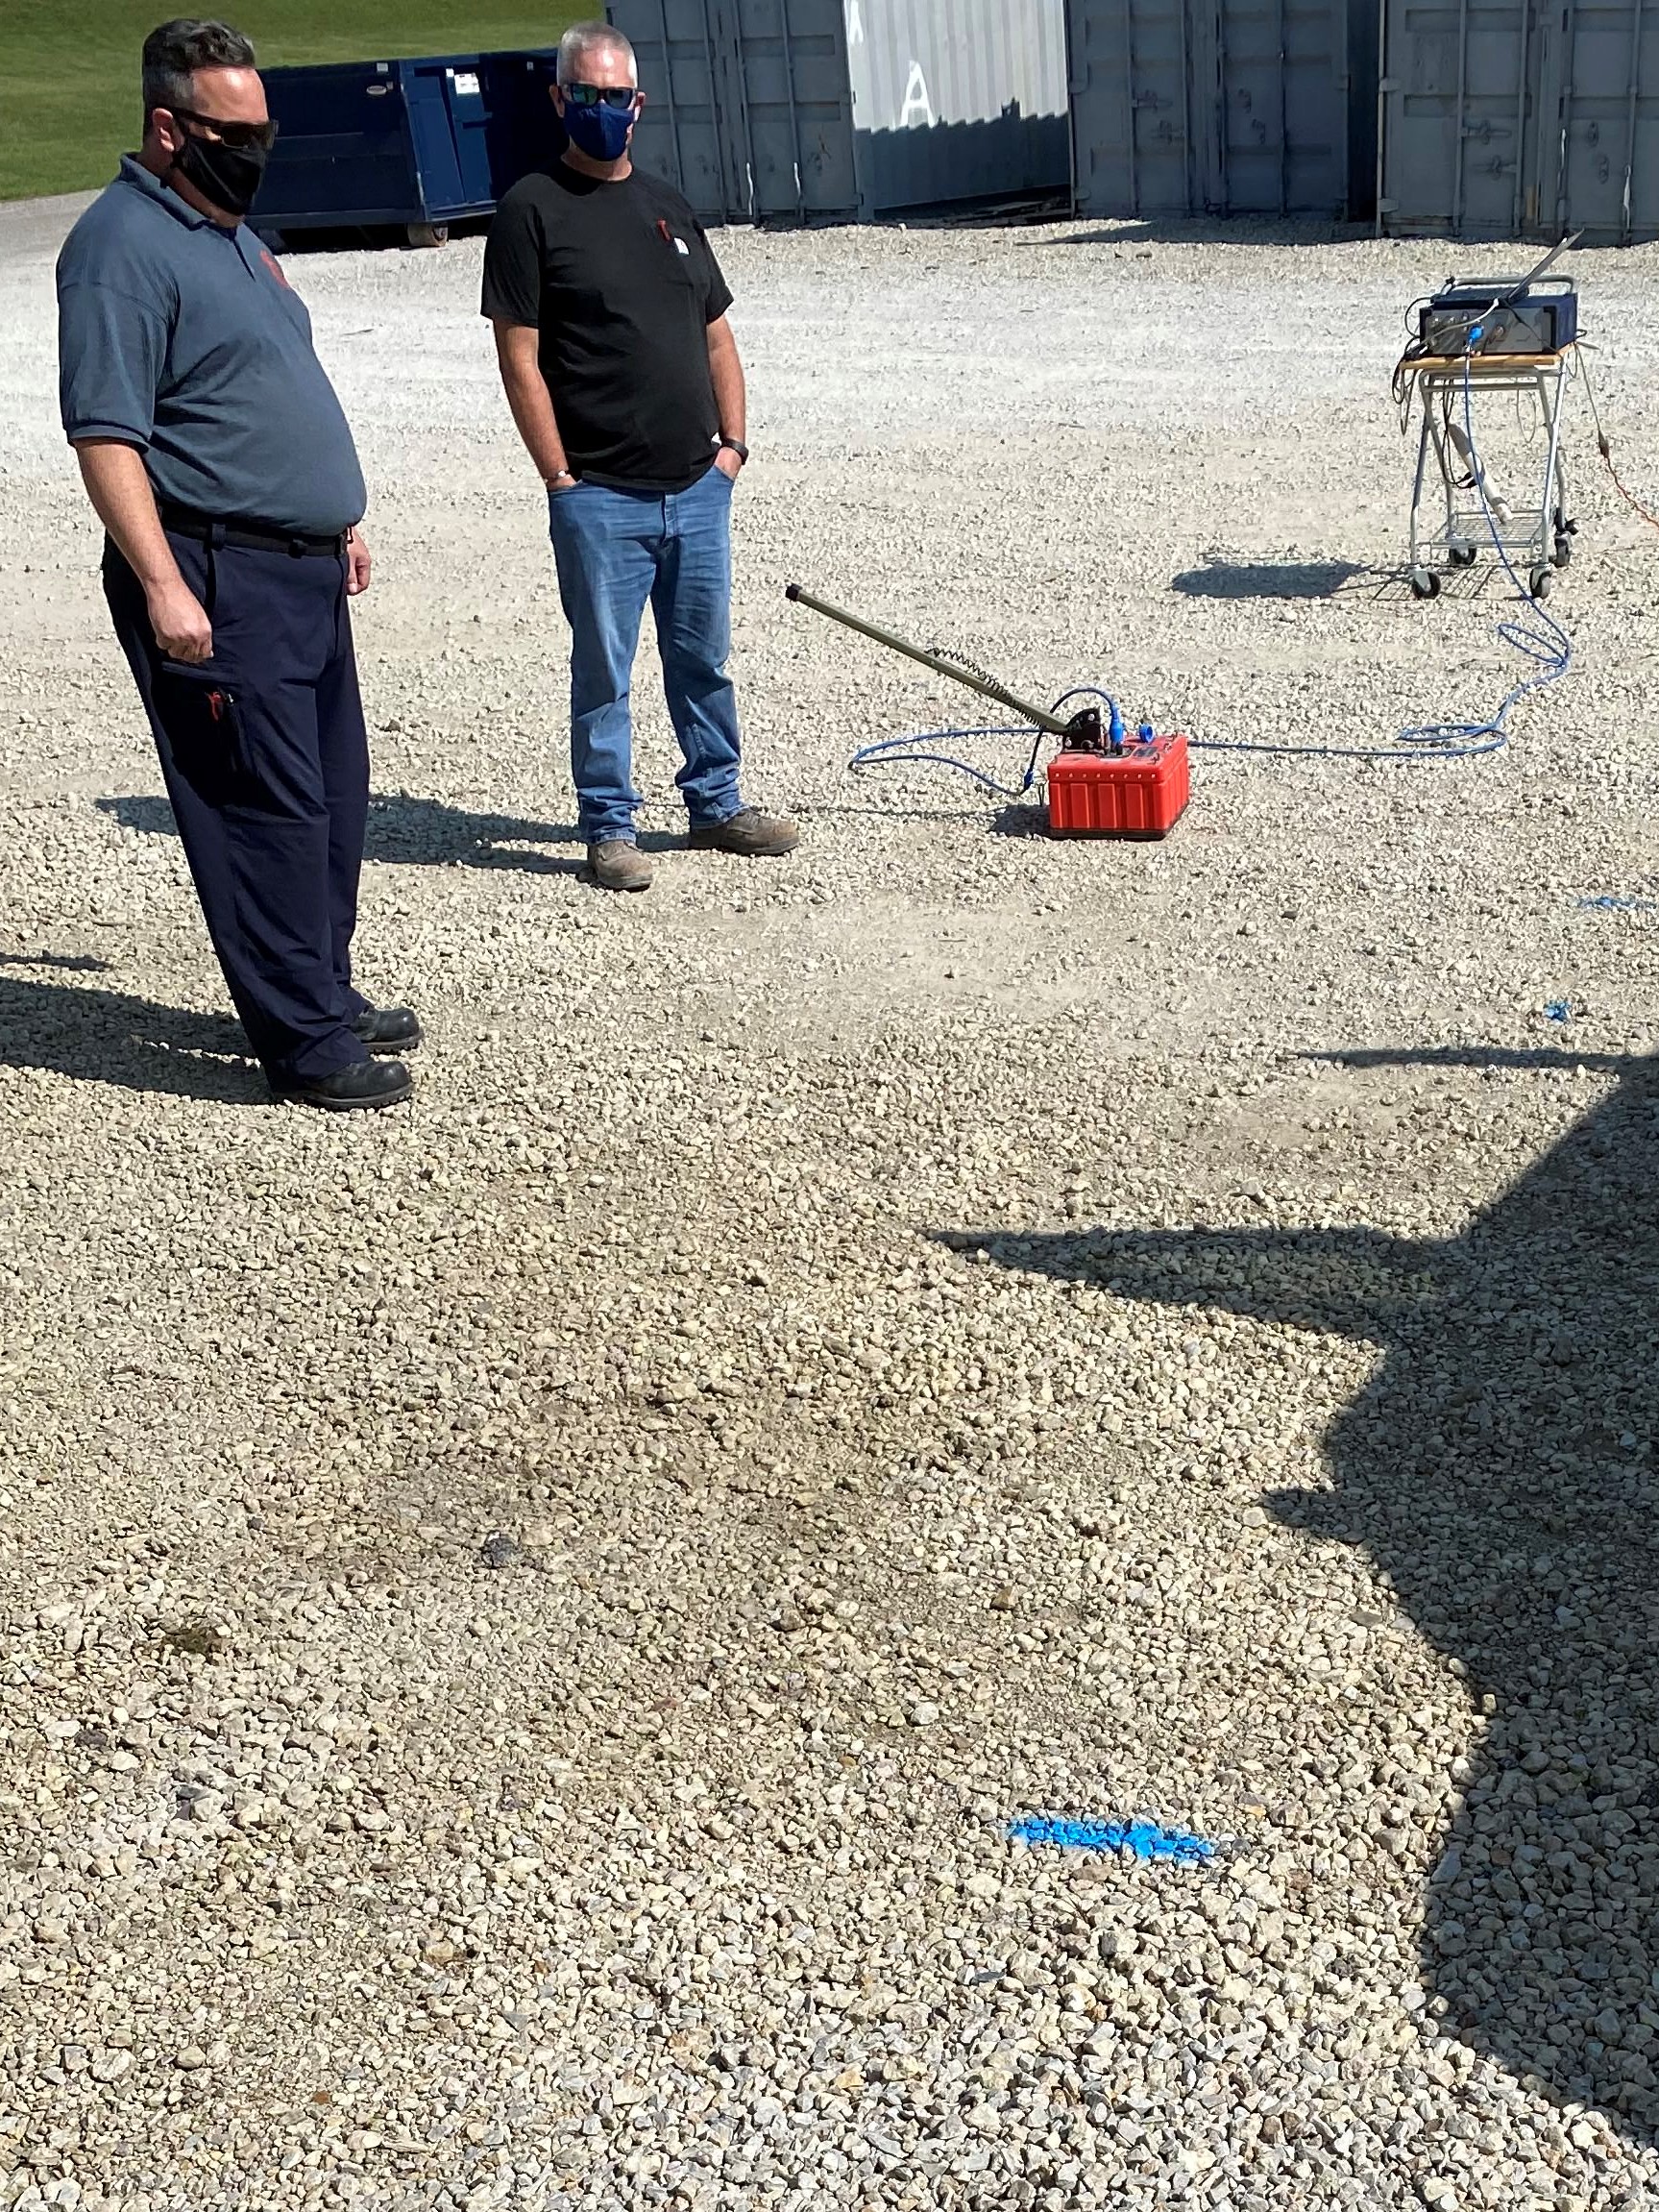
[
  {"x": 618, "y": 864},
  {"x": 757, "y": 836}
]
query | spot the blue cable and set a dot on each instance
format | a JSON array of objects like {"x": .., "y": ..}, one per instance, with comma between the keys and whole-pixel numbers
[
  {"x": 891, "y": 752},
  {"x": 1541, "y": 640}
]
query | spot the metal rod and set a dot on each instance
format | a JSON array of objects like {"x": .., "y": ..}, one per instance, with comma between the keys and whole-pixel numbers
[
  {"x": 1519, "y": 195},
  {"x": 1381, "y": 111},
  {"x": 717, "y": 147},
  {"x": 681, "y": 180},
  {"x": 795, "y": 113},
  {"x": 1221, "y": 112},
  {"x": 1186, "y": 148},
  {"x": 1133, "y": 130},
  {"x": 1628, "y": 212},
  {"x": 1563, "y": 136},
  {"x": 1283, "y": 109},
  {"x": 1462, "y": 116},
  {"x": 1038, "y": 716}
]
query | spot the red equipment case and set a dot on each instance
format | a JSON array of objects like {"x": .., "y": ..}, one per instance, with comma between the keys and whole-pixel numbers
[{"x": 1140, "y": 791}]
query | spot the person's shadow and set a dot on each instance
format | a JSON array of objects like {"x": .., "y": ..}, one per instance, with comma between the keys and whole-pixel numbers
[
  {"x": 99, "y": 1036},
  {"x": 1501, "y": 1470},
  {"x": 407, "y": 831}
]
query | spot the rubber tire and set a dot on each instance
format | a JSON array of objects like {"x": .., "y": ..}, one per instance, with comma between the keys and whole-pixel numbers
[
  {"x": 1540, "y": 581},
  {"x": 1563, "y": 553},
  {"x": 1461, "y": 556},
  {"x": 427, "y": 234},
  {"x": 1426, "y": 586}
]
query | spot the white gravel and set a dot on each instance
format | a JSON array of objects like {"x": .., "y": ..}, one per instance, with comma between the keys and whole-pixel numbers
[{"x": 525, "y": 1623}]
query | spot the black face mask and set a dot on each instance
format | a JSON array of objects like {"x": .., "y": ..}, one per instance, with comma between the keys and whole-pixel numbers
[{"x": 230, "y": 176}]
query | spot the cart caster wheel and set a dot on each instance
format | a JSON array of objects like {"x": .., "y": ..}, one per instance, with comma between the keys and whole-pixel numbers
[
  {"x": 1425, "y": 584},
  {"x": 1461, "y": 556},
  {"x": 1540, "y": 581},
  {"x": 1563, "y": 550},
  {"x": 427, "y": 234}
]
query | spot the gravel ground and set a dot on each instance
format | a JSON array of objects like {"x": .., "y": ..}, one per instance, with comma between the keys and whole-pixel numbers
[{"x": 526, "y": 1622}]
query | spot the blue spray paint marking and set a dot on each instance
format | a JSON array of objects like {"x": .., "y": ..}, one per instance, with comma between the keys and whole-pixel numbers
[
  {"x": 1558, "y": 1009},
  {"x": 1610, "y": 903},
  {"x": 1143, "y": 1837}
]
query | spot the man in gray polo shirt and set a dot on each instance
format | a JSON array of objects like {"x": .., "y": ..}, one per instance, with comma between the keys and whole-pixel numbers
[{"x": 216, "y": 456}]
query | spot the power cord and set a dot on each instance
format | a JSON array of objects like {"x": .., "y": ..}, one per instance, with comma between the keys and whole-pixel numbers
[
  {"x": 1540, "y": 638},
  {"x": 1605, "y": 446},
  {"x": 903, "y": 752}
]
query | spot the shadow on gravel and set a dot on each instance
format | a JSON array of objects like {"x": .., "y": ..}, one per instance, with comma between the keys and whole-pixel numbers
[
  {"x": 83, "y": 963},
  {"x": 1219, "y": 579},
  {"x": 102, "y": 1035},
  {"x": 1016, "y": 819},
  {"x": 1500, "y": 1471},
  {"x": 423, "y": 834},
  {"x": 1144, "y": 232}
]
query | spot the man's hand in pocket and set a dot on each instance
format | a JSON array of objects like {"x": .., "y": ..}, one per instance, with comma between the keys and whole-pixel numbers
[{"x": 179, "y": 622}]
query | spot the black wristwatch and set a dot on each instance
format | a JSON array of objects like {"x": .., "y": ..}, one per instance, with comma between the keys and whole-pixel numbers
[{"x": 736, "y": 446}]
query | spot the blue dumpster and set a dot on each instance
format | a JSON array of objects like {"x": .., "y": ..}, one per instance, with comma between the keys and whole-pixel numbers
[{"x": 407, "y": 145}]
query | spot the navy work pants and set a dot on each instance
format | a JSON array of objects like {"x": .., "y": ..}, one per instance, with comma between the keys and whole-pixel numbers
[{"x": 266, "y": 762}]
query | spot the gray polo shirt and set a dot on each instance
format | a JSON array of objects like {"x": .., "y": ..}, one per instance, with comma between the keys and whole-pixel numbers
[{"x": 184, "y": 339}]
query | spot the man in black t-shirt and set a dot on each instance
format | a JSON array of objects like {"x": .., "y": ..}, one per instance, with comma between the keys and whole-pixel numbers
[{"x": 624, "y": 382}]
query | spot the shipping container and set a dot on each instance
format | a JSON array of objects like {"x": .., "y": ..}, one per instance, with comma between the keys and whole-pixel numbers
[
  {"x": 1218, "y": 106},
  {"x": 799, "y": 110},
  {"x": 413, "y": 145},
  {"x": 1521, "y": 119}
]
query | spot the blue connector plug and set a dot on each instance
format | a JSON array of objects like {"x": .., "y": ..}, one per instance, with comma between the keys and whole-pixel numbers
[{"x": 1114, "y": 729}]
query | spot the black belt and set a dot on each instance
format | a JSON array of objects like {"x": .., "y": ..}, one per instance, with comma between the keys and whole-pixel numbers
[{"x": 250, "y": 536}]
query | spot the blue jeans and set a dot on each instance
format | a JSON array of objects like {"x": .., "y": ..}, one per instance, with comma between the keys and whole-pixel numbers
[{"x": 615, "y": 550}]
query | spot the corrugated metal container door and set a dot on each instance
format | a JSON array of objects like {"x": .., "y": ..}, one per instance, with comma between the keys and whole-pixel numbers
[
  {"x": 1460, "y": 120},
  {"x": 1131, "y": 84},
  {"x": 796, "y": 109},
  {"x": 1281, "y": 143},
  {"x": 804, "y": 109},
  {"x": 1221, "y": 106},
  {"x": 681, "y": 133},
  {"x": 957, "y": 100},
  {"x": 1599, "y": 159},
  {"x": 747, "y": 106}
]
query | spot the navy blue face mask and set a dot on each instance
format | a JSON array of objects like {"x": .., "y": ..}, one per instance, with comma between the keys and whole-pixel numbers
[{"x": 598, "y": 129}]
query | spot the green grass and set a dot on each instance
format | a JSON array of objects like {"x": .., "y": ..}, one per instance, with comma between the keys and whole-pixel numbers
[{"x": 69, "y": 72}]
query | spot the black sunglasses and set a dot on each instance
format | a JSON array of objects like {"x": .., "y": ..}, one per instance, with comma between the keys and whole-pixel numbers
[
  {"x": 600, "y": 95},
  {"x": 237, "y": 135}
]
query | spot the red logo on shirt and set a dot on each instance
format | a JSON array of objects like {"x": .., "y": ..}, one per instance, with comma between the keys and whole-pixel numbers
[{"x": 275, "y": 268}]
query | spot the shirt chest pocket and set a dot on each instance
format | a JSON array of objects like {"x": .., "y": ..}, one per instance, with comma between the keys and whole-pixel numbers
[{"x": 673, "y": 259}]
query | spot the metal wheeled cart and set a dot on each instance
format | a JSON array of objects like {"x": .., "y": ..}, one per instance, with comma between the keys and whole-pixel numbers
[{"x": 1537, "y": 540}]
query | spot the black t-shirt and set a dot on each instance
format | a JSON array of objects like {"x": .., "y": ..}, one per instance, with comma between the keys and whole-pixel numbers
[{"x": 620, "y": 280}]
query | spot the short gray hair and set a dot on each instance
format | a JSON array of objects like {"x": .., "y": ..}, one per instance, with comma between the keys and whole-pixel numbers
[
  {"x": 584, "y": 39},
  {"x": 175, "y": 51}
]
